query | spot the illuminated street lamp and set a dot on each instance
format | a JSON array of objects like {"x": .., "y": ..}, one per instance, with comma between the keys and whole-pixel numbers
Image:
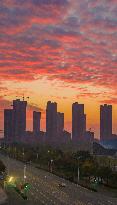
[
  {"x": 51, "y": 165},
  {"x": 24, "y": 172},
  {"x": 10, "y": 179}
]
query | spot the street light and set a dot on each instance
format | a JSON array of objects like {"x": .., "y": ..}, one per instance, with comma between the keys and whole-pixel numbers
[
  {"x": 24, "y": 172},
  {"x": 37, "y": 156},
  {"x": 23, "y": 154},
  {"x": 51, "y": 167},
  {"x": 10, "y": 179},
  {"x": 15, "y": 151},
  {"x": 48, "y": 160},
  {"x": 8, "y": 163},
  {"x": 50, "y": 163},
  {"x": 78, "y": 170}
]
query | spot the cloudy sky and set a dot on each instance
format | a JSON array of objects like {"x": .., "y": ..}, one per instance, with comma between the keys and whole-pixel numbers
[{"x": 59, "y": 50}]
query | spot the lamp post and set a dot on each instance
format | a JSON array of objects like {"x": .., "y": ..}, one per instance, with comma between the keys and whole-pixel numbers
[
  {"x": 23, "y": 154},
  {"x": 78, "y": 174},
  {"x": 15, "y": 152},
  {"x": 8, "y": 164},
  {"x": 78, "y": 170},
  {"x": 48, "y": 160},
  {"x": 37, "y": 156},
  {"x": 51, "y": 165},
  {"x": 24, "y": 172},
  {"x": 8, "y": 155}
]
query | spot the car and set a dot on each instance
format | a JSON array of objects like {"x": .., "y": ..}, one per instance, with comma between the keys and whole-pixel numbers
[
  {"x": 62, "y": 184},
  {"x": 28, "y": 162}
]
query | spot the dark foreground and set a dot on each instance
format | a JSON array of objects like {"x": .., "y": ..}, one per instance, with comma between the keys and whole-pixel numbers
[{"x": 45, "y": 190}]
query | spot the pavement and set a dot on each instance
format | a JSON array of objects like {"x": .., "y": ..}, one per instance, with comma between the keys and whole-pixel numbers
[
  {"x": 3, "y": 196},
  {"x": 45, "y": 190}
]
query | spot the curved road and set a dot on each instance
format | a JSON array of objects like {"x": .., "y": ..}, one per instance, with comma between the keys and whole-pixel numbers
[{"x": 45, "y": 190}]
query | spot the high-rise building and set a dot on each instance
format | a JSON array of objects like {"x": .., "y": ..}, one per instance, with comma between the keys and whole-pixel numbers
[
  {"x": 36, "y": 122},
  {"x": 8, "y": 124},
  {"x": 60, "y": 124},
  {"x": 78, "y": 122},
  {"x": 51, "y": 122},
  {"x": 105, "y": 122},
  {"x": 19, "y": 108},
  {"x": 89, "y": 136}
]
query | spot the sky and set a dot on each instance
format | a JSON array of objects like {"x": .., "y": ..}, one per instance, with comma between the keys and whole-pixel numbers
[{"x": 59, "y": 50}]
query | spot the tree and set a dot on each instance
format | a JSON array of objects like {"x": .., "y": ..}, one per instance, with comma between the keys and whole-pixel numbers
[
  {"x": 2, "y": 167},
  {"x": 104, "y": 173},
  {"x": 88, "y": 169}
]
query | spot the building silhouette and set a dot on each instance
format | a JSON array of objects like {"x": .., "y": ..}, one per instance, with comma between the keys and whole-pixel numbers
[
  {"x": 78, "y": 122},
  {"x": 19, "y": 108},
  {"x": 105, "y": 122},
  {"x": 60, "y": 124},
  {"x": 15, "y": 125},
  {"x": 36, "y": 123},
  {"x": 8, "y": 124},
  {"x": 51, "y": 122},
  {"x": 89, "y": 136}
]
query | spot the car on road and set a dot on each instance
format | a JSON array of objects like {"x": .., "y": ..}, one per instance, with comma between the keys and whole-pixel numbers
[
  {"x": 62, "y": 184},
  {"x": 28, "y": 162}
]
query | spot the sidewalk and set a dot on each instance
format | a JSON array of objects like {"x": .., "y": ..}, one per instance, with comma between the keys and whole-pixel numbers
[{"x": 3, "y": 196}]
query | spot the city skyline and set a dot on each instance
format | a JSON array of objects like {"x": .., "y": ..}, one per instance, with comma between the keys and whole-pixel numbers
[
  {"x": 15, "y": 121},
  {"x": 59, "y": 50}
]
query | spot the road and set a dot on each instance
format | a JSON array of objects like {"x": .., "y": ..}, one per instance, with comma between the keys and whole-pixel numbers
[
  {"x": 3, "y": 196},
  {"x": 45, "y": 190}
]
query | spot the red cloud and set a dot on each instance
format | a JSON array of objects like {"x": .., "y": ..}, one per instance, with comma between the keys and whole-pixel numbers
[
  {"x": 112, "y": 100},
  {"x": 73, "y": 42}
]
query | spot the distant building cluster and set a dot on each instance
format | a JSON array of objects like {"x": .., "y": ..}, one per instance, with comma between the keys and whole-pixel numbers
[
  {"x": 15, "y": 120},
  {"x": 15, "y": 124}
]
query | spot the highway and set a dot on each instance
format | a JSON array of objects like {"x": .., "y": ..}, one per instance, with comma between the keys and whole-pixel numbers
[{"x": 45, "y": 190}]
